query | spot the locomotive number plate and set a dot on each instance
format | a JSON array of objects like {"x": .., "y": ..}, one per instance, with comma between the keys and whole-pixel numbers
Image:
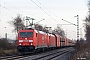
[{"x": 25, "y": 40}]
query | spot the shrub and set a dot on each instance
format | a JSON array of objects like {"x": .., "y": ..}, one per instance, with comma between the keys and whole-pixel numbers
[{"x": 7, "y": 48}]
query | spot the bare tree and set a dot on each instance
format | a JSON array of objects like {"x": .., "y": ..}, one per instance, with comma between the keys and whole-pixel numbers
[
  {"x": 87, "y": 28},
  {"x": 87, "y": 25},
  {"x": 17, "y": 23},
  {"x": 40, "y": 27},
  {"x": 59, "y": 31}
]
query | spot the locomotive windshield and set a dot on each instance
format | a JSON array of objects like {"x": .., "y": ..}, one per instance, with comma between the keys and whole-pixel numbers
[{"x": 26, "y": 34}]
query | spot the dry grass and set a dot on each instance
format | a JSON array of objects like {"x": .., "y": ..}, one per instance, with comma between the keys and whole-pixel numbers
[
  {"x": 8, "y": 52},
  {"x": 82, "y": 52}
]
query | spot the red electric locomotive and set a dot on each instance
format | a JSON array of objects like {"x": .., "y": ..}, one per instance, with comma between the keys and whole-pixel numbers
[
  {"x": 26, "y": 40},
  {"x": 51, "y": 42},
  {"x": 31, "y": 40}
]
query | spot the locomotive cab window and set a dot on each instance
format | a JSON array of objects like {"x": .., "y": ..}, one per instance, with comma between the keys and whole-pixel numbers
[
  {"x": 36, "y": 34},
  {"x": 26, "y": 34}
]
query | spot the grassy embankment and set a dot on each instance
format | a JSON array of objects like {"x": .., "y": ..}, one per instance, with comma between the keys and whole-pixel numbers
[{"x": 7, "y": 48}]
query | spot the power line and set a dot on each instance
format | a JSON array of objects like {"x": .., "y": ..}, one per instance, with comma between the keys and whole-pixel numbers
[
  {"x": 9, "y": 9},
  {"x": 13, "y": 7},
  {"x": 10, "y": 5},
  {"x": 56, "y": 16},
  {"x": 46, "y": 8},
  {"x": 43, "y": 10},
  {"x": 69, "y": 22}
]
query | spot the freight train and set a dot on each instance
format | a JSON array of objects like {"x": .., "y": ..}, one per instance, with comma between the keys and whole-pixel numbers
[{"x": 33, "y": 41}]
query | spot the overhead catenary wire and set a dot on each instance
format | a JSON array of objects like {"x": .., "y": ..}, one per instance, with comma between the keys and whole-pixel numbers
[
  {"x": 44, "y": 11},
  {"x": 14, "y": 8},
  {"x": 69, "y": 22},
  {"x": 9, "y": 9},
  {"x": 11, "y": 6},
  {"x": 46, "y": 8},
  {"x": 55, "y": 15}
]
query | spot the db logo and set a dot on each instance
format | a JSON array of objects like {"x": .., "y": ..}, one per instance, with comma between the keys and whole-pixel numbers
[
  {"x": 25, "y": 40},
  {"x": 42, "y": 38}
]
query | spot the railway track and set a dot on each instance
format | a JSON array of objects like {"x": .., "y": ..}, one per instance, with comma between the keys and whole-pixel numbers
[
  {"x": 50, "y": 55},
  {"x": 11, "y": 57}
]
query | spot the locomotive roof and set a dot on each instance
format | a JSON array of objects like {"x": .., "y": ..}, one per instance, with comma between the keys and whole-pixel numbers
[
  {"x": 28, "y": 29},
  {"x": 34, "y": 30},
  {"x": 50, "y": 34},
  {"x": 41, "y": 32}
]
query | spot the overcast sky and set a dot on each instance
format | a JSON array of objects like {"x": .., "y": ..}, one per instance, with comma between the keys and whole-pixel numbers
[{"x": 53, "y": 11}]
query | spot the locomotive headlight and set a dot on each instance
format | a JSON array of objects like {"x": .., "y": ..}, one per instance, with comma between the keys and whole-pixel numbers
[
  {"x": 20, "y": 44},
  {"x": 30, "y": 40},
  {"x": 31, "y": 44},
  {"x": 20, "y": 40}
]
